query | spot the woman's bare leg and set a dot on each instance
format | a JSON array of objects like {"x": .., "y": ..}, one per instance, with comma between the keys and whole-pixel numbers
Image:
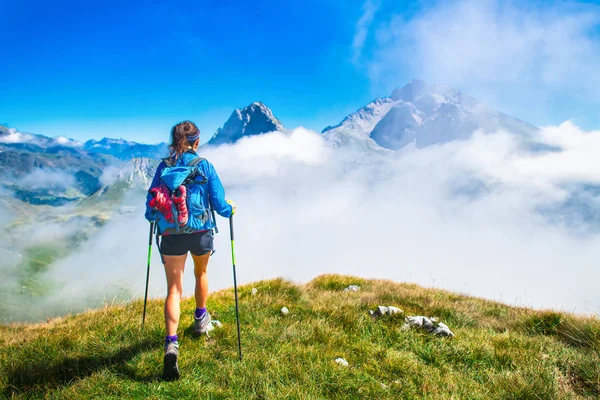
[
  {"x": 174, "y": 267},
  {"x": 201, "y": 292}
]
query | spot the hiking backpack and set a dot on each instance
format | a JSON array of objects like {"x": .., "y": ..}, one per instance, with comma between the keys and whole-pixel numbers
[{"x": 179, "y": 198}]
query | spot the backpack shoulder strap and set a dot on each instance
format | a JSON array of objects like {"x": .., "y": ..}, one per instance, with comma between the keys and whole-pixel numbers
[
  {"x": 168, "y": 162},
  {"x": 196, "y": 161}
]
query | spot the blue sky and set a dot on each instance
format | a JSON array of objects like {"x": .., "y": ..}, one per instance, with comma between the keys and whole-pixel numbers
[{"x": 133, "y": 69}]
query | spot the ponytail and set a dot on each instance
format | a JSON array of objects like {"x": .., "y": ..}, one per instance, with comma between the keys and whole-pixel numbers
[{"x": 183, "y": 135}]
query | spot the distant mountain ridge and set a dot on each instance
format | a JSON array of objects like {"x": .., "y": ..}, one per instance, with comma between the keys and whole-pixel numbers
[
  {"x": 126, "y": 150},
  {"x": 416, "y": 114},
  {"x": 118, "y": 148}
]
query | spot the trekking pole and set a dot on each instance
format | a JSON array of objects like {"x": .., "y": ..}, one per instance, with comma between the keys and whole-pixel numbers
[
  {"x": 148, "y": 271},
  {"x": 237, "y": 316},
  {"x": 212, "y": 211}
]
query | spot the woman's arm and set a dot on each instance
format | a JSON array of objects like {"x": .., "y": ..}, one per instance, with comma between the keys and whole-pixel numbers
[{"x": 216, "y": 193}]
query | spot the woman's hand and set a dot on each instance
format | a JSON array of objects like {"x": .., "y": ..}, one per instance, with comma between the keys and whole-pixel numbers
[{"x": 232, "y": 204}]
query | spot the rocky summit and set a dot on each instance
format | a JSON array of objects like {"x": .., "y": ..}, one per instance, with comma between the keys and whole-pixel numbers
[{"x": 252, "y": 120}]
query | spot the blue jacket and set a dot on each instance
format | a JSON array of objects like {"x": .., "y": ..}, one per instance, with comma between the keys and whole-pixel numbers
[{"x": 214, "y": 195}]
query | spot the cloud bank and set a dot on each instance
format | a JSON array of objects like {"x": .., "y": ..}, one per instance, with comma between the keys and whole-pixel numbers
[
  {"x": 535, "y": 57},
  {"x": 486, "y": 216}
]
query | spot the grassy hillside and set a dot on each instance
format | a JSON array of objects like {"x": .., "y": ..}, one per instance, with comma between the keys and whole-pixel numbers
[{"x": 499, "y": 352}]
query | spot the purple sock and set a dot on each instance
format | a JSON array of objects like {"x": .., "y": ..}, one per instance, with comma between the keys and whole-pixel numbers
[
  {"x": 170, "y": 339},
  {"x": 199, "y": 312}
]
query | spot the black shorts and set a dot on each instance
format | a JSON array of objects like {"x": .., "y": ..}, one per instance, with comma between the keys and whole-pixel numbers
[{"x": 198, "y": 244}]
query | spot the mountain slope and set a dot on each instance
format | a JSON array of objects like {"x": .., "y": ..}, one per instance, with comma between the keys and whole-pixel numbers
[
  {"x": 499, "y": 352},
  {"x": 56, "y": 171},
  {"x": 357, "y": 126},
  {"x": 254, "y": 119},
  {"x": 423, "y": 115}
]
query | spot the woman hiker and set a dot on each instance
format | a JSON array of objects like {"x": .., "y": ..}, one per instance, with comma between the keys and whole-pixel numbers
[{"x": 173, "y": 208}]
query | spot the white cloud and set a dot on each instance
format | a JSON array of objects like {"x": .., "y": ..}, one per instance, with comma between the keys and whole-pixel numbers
[
  {"x": 509, "y": 53},
  {"x": 14, "y": 136},
  {"x": 370, "y": 8},
  {"x": 470, "y": 216},
  {"x": 44, "y": 178},
  {"x": 113, "y": 172},
  {"x": 464, "y": 215},
  {"x": 65, "y": 141}
]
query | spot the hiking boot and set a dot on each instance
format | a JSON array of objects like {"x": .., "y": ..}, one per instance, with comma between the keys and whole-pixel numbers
[
  {"x": 179, "y": 198},
  {"x": 202, "y": 324},
  {"x": 161, "y": 200},
  {"x": 171, "y": 368}
]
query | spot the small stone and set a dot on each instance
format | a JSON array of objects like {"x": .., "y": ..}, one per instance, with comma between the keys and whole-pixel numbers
[
  {"x": 394, "y": 310},
  {"x": 341, "y": 362},
  {"x": 430, "y": 325},
  {"x": 285, "y": 311},
  {"x": 213, "y": 324},
  {"x": 421, "y": 322},
  {"x": 352, "y": 288},
  {"x": 254, "y": 291},
  {"x": 414, "y": 321},
  {"x": 381, "y": 311},
  {"x": 443, "y": 330}
]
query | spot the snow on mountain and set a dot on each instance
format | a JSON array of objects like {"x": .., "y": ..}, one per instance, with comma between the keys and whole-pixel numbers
[
  {"x": 125, "y": 150},
  {"x": 108, "y": 143},
  {"x": 357, "y": 126},
  {"x": 254, "y": 119},
  {"x": 423, "y": 115}
]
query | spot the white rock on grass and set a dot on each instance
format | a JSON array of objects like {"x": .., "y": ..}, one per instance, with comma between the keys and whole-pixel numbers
[
  {"x": 381, "y": 310},
  {"x": 386, "y": 310},
  {"x": 254, "y": 291},
  {"x": 352, "y": 288},
  {"x": 285, "y": 311},
  {"x": 341, "y": 362},
  {"x": 431, "y": 325},
  {"x": 443, "y": 330},
  {"x": 421, "y": 322},
  {"x": 394, "y": 310},
  {"x": 213, "y": 324}
]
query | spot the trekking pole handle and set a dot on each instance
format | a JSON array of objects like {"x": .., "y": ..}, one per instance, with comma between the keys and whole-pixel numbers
[
  {"x": 212, "y": 212},
  {"x": 151, "y": 232}
]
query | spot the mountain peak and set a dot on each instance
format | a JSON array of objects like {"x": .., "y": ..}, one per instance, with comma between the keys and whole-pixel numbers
[
  {"x": 254, "y": 119},
  {"x": 414, "y": 88},
  {"x": 423, "y": 114}
]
